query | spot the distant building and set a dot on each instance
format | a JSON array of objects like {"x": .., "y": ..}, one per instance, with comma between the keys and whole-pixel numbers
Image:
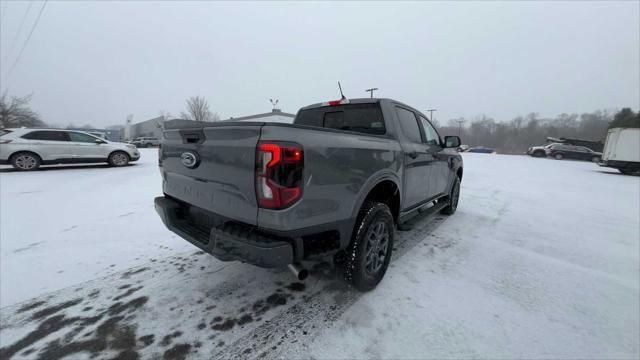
[
  {"x": 153, "y": 127},
  {"x": 148, "y": 128}
]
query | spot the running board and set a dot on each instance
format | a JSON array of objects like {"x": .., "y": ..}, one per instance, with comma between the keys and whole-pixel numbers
[{"x": 408, "y": 221}]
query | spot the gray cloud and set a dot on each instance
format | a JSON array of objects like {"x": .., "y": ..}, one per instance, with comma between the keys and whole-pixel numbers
[{"x": 96, "y": 62}]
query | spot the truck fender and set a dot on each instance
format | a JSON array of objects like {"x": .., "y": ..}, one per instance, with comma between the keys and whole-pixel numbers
[{"x": 374, "y": 180}]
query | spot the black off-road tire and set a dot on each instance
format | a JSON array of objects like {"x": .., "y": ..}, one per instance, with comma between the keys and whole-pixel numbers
[
  {"x": 119, "y": 158},
  {"x": 25, "y": 161},
  {"x": 453, "y": 198},
  {"x": 359, "y": 271}
]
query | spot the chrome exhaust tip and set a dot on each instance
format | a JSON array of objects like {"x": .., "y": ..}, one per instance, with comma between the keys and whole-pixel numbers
[{"x": 298, "y": 271}]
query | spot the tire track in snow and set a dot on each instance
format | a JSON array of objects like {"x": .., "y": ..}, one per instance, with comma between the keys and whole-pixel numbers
[
  {"x": 241, "y": 311},
  {"x": 329, "y": 299}
]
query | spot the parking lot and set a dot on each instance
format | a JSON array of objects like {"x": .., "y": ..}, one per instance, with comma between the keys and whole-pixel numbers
[{"x": 541, "y": 252}]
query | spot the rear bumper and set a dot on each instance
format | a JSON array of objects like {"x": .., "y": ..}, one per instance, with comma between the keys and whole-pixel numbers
[{"x": 229, "y": 241}]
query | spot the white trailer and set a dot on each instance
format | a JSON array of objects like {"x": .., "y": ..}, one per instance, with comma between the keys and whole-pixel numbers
[{"x": 622, "y": 150}]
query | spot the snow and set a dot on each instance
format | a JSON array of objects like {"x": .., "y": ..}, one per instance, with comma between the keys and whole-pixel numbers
[
  {"x": 543, "y": 264},
  {"x": 76, "y": 223},
  {"x": 541, "y": 260}
]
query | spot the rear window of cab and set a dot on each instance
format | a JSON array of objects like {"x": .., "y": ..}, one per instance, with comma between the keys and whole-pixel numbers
[{"x": 362, "y": 118}]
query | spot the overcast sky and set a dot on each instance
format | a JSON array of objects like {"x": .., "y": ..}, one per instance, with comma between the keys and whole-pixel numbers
[{"x": 97, "y": 62}]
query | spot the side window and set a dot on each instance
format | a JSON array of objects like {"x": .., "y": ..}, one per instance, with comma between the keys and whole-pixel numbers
[
  {"x": 409, "y": 124},
  {"x": 47, "y": 135},
  {"x": 79, "y": 137},
  {"x": 430, "y": 135}
]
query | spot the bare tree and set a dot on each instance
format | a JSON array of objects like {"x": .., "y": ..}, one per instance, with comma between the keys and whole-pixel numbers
[
  {"x": 515, "y": 136},
  {"x": 166, "y": 115},
  {"x": 198, "y": 110},
  {"x": 16, "y": 112}
]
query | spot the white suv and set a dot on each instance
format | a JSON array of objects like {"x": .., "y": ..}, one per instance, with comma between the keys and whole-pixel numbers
[{"x": 27, "y": 149}]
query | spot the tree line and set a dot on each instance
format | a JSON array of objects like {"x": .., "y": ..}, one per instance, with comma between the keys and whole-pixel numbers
[
  {"x": 510, "y": 137},
  {"x": 16, "y": 111},
  {"x": 517, "y": 135}
]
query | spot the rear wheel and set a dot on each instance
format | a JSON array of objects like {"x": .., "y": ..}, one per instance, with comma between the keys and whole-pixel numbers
[
  {"x": 595, "y": 159},
  {"x": 538, "y": 154},
  {"x": 26, "y": 161},
  {"x": 368, "y": 255},
  {"x": 119, "y": 158},
  {"x": 453, "y": 198},
  {"x": 558, "y": 156}
]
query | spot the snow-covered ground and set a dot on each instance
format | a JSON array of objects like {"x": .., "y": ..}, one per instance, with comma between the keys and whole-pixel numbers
[{"x": 540, "y": 261}]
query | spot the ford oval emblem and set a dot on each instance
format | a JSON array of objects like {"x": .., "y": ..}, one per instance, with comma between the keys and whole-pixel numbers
[{"x": 189, "y": 160}]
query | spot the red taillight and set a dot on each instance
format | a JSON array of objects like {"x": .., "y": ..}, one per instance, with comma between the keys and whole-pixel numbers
[
  {"x": 279, "y": 169},
  {"x": 336, "y": 102}
]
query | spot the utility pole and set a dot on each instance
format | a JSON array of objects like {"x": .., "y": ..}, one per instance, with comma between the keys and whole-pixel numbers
[
  {"x": 371, "y": 91},
  {"x": 460, "y": 121},
  {"x": 431, "y": 113}
]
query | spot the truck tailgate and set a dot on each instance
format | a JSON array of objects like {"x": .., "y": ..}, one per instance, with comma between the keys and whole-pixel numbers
[{"x": 213, "y": 168}]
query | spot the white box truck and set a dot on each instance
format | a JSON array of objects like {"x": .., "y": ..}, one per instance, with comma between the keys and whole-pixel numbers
[{"x": 622, "y": 150}]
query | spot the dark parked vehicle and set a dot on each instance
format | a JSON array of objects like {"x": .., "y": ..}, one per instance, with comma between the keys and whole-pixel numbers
[
  {"x": 564, "y": 151},
  {"x": 335, "y": 183},
  {"x": 482, "y": 150},
  {"x": 539, "y": 151}
]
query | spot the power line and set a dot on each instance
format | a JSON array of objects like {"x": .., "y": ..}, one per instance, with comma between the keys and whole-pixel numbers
[
  {"x": 35, "y": 24},
  {"x": 15, "y": 38}
]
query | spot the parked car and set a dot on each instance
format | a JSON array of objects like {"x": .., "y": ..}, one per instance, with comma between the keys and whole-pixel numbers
[
  {"x": 482, "y": 149},
  {"x": 27, "y": 149},
  {"x": 539, "y": 151},
  {"x": 565, "y": 151},
  {"x": 145, "y": 142},
  {"x": 336, "y": 183},
  {"x": 622, "y": 150}
]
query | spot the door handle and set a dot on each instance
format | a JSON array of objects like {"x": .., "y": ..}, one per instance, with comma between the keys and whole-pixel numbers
[{"x": 413, "y": 154}]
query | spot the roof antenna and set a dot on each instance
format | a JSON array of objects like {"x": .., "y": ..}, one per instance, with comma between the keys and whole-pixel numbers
[{"x": 340, "y": 87}]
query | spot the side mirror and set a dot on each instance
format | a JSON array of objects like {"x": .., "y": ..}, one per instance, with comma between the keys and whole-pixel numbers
[{"x": 451, "y": 141}]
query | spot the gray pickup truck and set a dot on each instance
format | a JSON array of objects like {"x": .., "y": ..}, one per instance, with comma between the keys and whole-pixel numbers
[{"x": 335, "y": 183}]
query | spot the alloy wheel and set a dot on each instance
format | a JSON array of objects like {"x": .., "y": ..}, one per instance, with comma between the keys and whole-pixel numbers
[
  {"x": 377, "y": 247},
  {"x": 26, "y": 162},
  {"x": 119, "y": 159}
]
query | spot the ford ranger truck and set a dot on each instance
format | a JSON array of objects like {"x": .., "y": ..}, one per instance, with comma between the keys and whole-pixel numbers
[{"x": 335, "y": 183}]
